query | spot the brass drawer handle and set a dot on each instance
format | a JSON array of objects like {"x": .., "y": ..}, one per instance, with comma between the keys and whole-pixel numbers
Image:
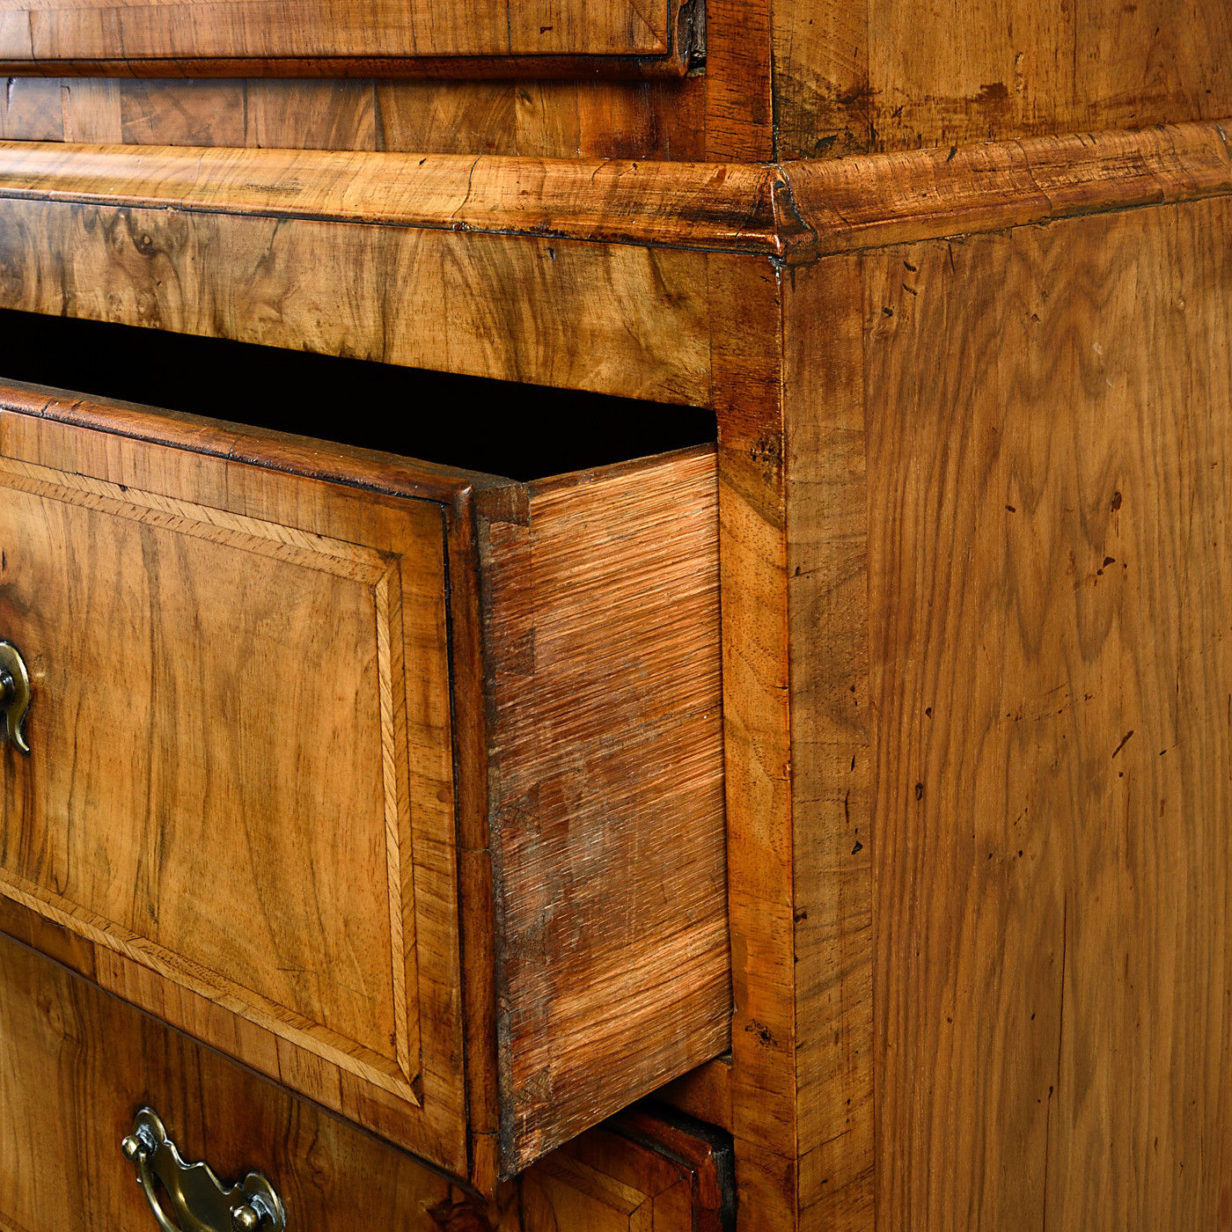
[
  {"x": 14, "y": 695},
  {"x": 199, "y": 1199}
]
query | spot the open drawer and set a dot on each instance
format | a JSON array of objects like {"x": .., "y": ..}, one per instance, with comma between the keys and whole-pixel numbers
[
  {"x": 400, "y": 784},
  {"x": 488, "y": 38}
]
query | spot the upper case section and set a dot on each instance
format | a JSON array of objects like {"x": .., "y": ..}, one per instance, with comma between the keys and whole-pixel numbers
[{"x": 482, "y": 37}]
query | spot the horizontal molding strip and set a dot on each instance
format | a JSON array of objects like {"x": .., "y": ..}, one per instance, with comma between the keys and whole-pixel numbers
[
  {"x": 871, "y": 201},
  {"x": 670, "y": 66},
  {"x": 707, "y": 206},
  {"x": 793, "y": 213}
]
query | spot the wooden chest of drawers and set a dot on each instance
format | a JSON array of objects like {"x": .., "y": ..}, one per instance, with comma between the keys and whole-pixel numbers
[{"x": 971, "y": 388}]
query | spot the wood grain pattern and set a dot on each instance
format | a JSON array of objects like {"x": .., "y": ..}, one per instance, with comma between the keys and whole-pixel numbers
[
  {"x": 610, "y": 318},
  {"x": 832, "y": 721},
  {"x": 101, "y": 879},
  {"x": 592, "y": 877},
  {"x": 888, "y": 75},
  {"x": 703, "y": 1093},
  {"x": 73, "y": 1055},
  {"x": 857, "y": 77},
  {"x": 857, "y": 202},
  {"x": 34, "y": 110},
  {"x": 602, "y": 632},
  {"x": 871, "y": 1087},
  {"x": 666, "y": 120},
  {"x": 681, "y": 205},
  {"x": 533, "y": 119},
  {"x": 746, "y": 311},
  {"x": 723, "y": 114},
  {"x": 1048, "y": 574},
  {"x": 794, "y": 213},
  {"x": 643, "y": 1173},
  {"x": 104, "y": 35}
]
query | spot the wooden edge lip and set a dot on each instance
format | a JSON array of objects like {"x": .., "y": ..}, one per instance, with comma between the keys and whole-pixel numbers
[
  {"x": 612, "y": 470},
  {"x": 791, "y": 214},
  {"x": 380, "y": 473},
  {"x": 724, "y": 207},
  {"x": 869, "y": 201},
  {"x": 476, "y": 901},
  {"x": 671, "y": 65}
]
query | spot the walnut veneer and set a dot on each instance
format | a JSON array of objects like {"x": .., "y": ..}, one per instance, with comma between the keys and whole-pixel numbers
[{"x": 973, "y": 388}]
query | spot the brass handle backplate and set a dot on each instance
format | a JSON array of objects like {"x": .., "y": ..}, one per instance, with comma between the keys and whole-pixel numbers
[
  {"x": 199, "y": 1201},
  {"x": 14, "y": 696}
]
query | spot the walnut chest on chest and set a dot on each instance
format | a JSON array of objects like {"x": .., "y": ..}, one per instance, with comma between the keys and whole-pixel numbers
[{"x": 613, "y": 614}]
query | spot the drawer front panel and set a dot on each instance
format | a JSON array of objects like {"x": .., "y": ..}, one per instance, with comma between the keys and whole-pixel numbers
[
  {"x": 76, "y": 1064},
  {"x": 169, "y": 646},
  {"x": 74, "y": 32},
  {"x": 229, "y": 792}
]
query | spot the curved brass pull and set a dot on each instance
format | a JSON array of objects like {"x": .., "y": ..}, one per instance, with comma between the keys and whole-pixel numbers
[
  {"x": 14, "y": 695},
  {"x": 199, "y": 1199}
]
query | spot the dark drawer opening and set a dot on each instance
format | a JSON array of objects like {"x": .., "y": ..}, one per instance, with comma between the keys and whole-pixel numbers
[{"x": 523, "y": 432}]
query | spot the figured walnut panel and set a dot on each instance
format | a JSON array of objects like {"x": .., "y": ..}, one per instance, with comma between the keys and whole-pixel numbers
[
  {"x": 1049, "y": 581},
  {"x": 613, "y": 318},
  {"x": 238, "y": 790},
  {"x": 192, "y": 798}
]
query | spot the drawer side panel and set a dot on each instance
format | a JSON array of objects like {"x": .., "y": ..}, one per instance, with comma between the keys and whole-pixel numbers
[{"x": 607, "y": 794}]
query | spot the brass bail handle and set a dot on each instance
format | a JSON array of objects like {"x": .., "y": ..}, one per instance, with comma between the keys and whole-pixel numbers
[
  {"x": 14, "y": 695},
  {"x": 200, "y": 1202}
]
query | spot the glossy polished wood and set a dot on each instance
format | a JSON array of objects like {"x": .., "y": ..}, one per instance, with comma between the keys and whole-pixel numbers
[
  {"x": 601, "y": 309},
  {"x": 850, "y": 77},
  {"x": 1048, "y": 669},
  {"x": 609, "y": 318},
  {"x": 103, "y": 1060},
  {"x": 324, "y": 36},
  {"x": 284, "y": 652},
  {"x": 721, "y": 114},
  {"x": 699, "y": 206},
  {"x": 794, "y": 212},
  {"x": 858, "y": 202},
  {"x": 863, "y": 76},
  {"x": 853, "y": 1103}
]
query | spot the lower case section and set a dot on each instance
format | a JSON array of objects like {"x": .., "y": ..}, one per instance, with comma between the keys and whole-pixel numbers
[{"x": 76, "y": 1064}]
